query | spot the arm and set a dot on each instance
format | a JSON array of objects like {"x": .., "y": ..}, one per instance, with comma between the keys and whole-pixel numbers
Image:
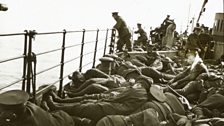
[
  {"x": 157, "y": 64},
  {"x": 118, "y": 24}
]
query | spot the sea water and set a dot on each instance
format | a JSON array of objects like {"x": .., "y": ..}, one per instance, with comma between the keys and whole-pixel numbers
[{"x": 13, "y": 46}]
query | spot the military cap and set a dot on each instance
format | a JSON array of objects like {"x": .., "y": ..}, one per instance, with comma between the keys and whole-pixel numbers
[
  {"x": 139, "y": 24},
  {"x": 151, "y": 45},
  {"x": 156, "y": 54},
  {"x": 131, "y": 73},
  {"x": 114, "y": 13},
  {"x": 141, "y": 58},
  {"x": 112, "y": 120},
  {"x": 157, "y": 93},
  {"x": 13, "y": 99},
  {"x": 147, "y": 117},
  {"x": 106, "y": 59},
  {"x": 197, "y": 29},
  {"x": 147, "y": 81},
  {"x": 74, "y": 75},
  {"x": 167, "y": 60},
  {"x": 112, "y": 56}
]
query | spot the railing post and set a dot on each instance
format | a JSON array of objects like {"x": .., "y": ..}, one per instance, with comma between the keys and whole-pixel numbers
[
  {"x": 95, "y": 50},
  {"x": 81, "y": 54},
  {"x": 62, "y": 65},
  {"x": 105, "y": 46},
  {"x": 31, "y": 35},
  {"x": 112, "y": 42},
  {"x": 24, "y": 61}
]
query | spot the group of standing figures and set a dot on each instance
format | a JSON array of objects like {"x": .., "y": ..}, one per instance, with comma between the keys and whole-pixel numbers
[
  {"x": 165, "y": 37},
  {"x": 166, "y": 32}
]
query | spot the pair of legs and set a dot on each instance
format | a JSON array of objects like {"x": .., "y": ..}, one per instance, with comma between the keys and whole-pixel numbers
[
  {"x": 155, "y": 74},
  {"x": 124, "y": 40},
  {"x": 90, "y": 110},
  {"x": 141, "y": 41}
]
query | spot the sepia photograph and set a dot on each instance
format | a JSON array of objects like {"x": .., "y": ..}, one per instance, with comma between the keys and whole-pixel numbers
[{"x": 111, "y": 63}]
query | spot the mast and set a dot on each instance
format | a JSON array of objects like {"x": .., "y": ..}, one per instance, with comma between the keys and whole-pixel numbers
[
  {"x": 189, "y": 10},
  {"x": 202, "y": 10}
]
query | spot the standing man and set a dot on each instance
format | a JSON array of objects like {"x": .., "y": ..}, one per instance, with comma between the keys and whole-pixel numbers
[
  {"x": 123, "y": 32},
  {"x": 142, "y": 39},
  {"x": 205, "y": 40},
  {"x": 167, "y": 19},
  {"x": 192, "y": 44}
]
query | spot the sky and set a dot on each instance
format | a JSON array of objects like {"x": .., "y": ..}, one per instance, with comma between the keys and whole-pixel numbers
[{"x": 56, "y": 15}]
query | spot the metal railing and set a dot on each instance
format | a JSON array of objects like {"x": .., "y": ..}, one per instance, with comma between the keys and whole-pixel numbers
[{"x": 30, "y": 58}]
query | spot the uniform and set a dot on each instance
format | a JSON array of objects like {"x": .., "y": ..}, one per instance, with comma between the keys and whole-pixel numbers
[
  {"x": 169, "y": 110},
  {"x": 188, "y": 75},
  {"x": 213, "y": 106},
  {"x": 146, "y": 117},
  {"x": 124, "y": 33},
  {"x": 122, "y": 101},
  {"x": 199, "y": 89},
  {"x": 142, "y": 39},
  {"x": 193, "y": 40},
  {"x": 17, "y": 111},
  {"x": 205, "y": 44},
  {"x": 158, "y": 109},
  {"x": 106, "y": 65}
]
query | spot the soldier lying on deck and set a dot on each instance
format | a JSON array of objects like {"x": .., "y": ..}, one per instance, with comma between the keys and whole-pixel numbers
[
  {"x": 211, "y": 107},
  {"x": 15, "y": 110},
  {"x": 191, "y": 73},
  {"x": 201, "y": 87},
  {"x": 124, "y": 67},
  {"x": 170, "y": 110},
  {"x": 148, "y": 117},
  {"x": 92, "y": 81},
  {"x": 122, "y": 101},
  {"x": 97, "y": 81}
]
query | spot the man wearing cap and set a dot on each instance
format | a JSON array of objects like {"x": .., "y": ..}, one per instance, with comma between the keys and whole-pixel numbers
[
  {"x": 150, "y": 71},
  {"x": 201, "y": 87},
  {"x": 192, "y": 44},
  {"x": 92, "y": 81},
  {"x": 211, "y": 109},
  {"x": 123, "y": 32},
  {"x": 161, "y": 109},
  {"x": 166, "y": 20},
  {"x": 106, "y": 65},
  {"x": 142, "y": 39},
  {"x": 205, "y": 42},
  {"x": 196, "y": 68},
  {"x": 79, "y": 78},
  {"x": 120, "y": 101},
  {"x": 16, "y": 110}
]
